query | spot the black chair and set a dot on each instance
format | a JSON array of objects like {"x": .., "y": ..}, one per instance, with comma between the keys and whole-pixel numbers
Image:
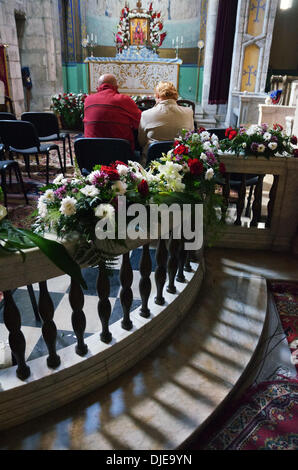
[
  {"x": 156, "y": 149},
  {"x": 189, "y": 104},
  {"x": 7, "y": 117},
  {"x": 236, "y": 178},
  {"x": 9, "y": 165},
  {"x": 20, "y": 137},
  {"x": 146, "y": 103},
  {"x": 47, "y": 127},
  {"x": 92, "y": 151}
]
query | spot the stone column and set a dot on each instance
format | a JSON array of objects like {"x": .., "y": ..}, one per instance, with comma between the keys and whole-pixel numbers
[{"x": 252, "y": 44}]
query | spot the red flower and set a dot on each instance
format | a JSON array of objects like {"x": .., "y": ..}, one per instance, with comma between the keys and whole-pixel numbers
[
  {"x": 222, "y": 168},
  {"x": 201, "y": 129},
  {"x": 196, "y": 166},
  {"x": 228, "y": 130},
  {"x": 111, "y": 172},
  {"x": 160, "y": 26},
  {"x": 117, "y": 162},
  {"x": 232, "y": 134},
  {"x": 180, "y": 150},
  {"x": 277, "y": 127},
  {"x": 143, "y": 188},
  {"x": 294, "y": 140},
  {"x": 296, "y": 153},
  {"x": 158, "y": 15}
]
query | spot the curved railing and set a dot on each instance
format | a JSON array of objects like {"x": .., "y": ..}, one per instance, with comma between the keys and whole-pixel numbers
[{"x": 32, "y": 388}]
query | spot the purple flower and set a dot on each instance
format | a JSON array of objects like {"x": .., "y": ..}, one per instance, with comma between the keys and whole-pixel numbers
[
  {"x": 100, "y": 178},
  {"x": 264, "y": 127},
  {"x": 60, "y": 192},
  {"x": 75, "y": 190},
  {"x": 254, "y": 147},
  {"x": 274, "y": 138},
  {"x": 242, "y": 130},
  {"x": 211, "y": 158}
]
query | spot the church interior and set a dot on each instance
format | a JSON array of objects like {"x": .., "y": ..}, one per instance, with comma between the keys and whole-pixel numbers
[{"x": 170, "y": 349}]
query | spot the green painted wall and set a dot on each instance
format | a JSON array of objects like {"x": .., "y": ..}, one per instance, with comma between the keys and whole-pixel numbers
[{"x": 75, "y": 80}]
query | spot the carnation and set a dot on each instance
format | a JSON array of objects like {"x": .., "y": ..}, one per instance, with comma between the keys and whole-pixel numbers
[
  {"x": 68, "y": 206},
  {"x": 90, "y": 191}
]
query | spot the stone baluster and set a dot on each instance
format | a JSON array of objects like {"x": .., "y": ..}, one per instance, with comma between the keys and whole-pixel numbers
[
  {"x": 272, "y": 197},
  {"x": 241, "y": 200},
  {"x": 181, "y": 262},
  {"x": 12, "y": 321},
  {"x": 161, "y": 270},
  {"x": 126, "y": 295},
  {"x": 172, "y": 263},
  {"x": 145, "y": 281},
  {"x": 257, "y": 204},
  {"x": 104, "y": 305},
  {"x": 49, "y": 330},
  {"x": 78, "y": 318}
]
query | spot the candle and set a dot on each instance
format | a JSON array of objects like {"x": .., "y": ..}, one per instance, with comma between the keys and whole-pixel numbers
[
  {"x": 177, "y": 39},
  {"x": 173, "y": 42},
  {"x": 88, "y": 38},
  {"x": 181, "y": 40},
  {"x": 92, "y": 37},
  {"x": 95, "y": 39}
]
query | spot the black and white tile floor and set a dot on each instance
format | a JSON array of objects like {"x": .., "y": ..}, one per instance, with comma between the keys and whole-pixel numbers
[{"x": 59, "y": 290}]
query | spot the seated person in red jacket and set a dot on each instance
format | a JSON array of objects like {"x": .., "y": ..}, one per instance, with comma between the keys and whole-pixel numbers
[{"x": 108, "y": 113}]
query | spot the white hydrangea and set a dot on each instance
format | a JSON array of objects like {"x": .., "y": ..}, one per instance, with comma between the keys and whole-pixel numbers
[
  {"x": 68, "y": 206},
  {"x": 209, "y": 174},
  {"x": 89, "y": 191}
]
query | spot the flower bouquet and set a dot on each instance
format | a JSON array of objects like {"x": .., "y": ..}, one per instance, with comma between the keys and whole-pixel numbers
[
  {"x": 70, "y": 108},
  {"x": 260, "y": 141}
]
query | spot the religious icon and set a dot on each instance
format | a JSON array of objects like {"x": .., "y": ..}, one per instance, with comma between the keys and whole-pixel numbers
[{"x": 138, "y": 31}]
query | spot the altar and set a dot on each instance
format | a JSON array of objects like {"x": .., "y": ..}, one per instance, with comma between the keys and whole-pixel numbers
[{"x": 137, "y": 65}]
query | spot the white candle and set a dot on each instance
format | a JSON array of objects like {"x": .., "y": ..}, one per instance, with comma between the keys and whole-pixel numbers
[
  {"x": 95, "y": 39},
  {"x": 92, "y": 37},
  {"x": 88, "y": 38},
  {"x": 177, "y": 39},
  {"x": 173, "y": 42},
  {"x": 181, "y": 40}
]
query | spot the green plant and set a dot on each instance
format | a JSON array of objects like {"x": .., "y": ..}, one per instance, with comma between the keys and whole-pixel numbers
[{"x": 70, "y": 107}]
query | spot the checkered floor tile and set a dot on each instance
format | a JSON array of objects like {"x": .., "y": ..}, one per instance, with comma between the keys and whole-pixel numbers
[{"x": 59, "y": 289}]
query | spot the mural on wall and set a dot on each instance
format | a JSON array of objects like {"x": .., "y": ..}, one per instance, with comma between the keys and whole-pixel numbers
[
  {"x": 250, "y": 68},
  {"x": 256, "y": 17}
]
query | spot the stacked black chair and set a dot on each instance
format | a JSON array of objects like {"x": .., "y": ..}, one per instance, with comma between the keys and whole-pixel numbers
[
  {"x": 236, "y": 178},
  {"x": 20, "y": 137},
  {"x": 91, "y": 151},
  {"x": 47, "y": 127},
  {"x": 7, "y": 117},
  {"x": 156, "y": 149}
]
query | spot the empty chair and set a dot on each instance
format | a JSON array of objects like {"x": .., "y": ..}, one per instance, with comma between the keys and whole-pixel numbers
[
  {"x": 146, "y": 103},
  {"x": 47, "y": 128},
  {"x": 156, "y": 149},
  {"x": 7, "y": 117},
  {"x": 91, "y": 151},
  {"x": 20, "y": 137},
  {"x": 9, "y": 165}
]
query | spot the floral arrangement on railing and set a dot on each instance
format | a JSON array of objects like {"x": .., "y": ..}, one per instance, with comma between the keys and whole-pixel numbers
[
  {"x": 16, "y": 240},
  {"x": 156, "y": 36},
  {"x": 71, "y": 207},
  {"x": 260, "y": 141},
  {"x": 70, "y": 108}
]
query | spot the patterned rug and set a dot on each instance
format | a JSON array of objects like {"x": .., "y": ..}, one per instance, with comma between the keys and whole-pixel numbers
[{"x": 266, "y": 416}]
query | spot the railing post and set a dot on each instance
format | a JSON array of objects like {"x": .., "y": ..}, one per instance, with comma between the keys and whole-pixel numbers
[
  {"x": 161, "y": 270},
  {"x": 257, "y": 204},
  {"x": 241, "y": 200},
  {"x": 49, "y": 330},
  {"x": 12, "y": 321},
  {"x": 181, "y": 262},
  {"x": 78, "y": 318},
  {"x": 104, "y": 305},
  {"x": 172, "y": 263},
  {"x": 226, "y": 194},
  {"x": 272, "y": 197},
  {"x": 145, "y": 281},
  {"x": 126, "y": 295}
]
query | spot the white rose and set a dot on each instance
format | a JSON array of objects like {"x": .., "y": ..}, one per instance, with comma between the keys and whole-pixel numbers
[
  {"x": 3, "y": 212},
  {"x": 261, "y": 148},
  {"x": 119, "y": 187},
  {"x": 89, "y": 191},
  {"x": 209, "y": 174},
  {"x": 68, "y": 206},
  {"x": 272, "y": 145}
]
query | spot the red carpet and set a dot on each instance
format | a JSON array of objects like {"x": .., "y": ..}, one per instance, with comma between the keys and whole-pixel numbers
[{"x": 266, "y": 416}]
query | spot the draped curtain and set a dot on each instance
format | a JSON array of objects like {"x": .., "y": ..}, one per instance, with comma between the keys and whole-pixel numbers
[
  {"x": 3, "y": 70},
  {"x": 223, "y": 52}
]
